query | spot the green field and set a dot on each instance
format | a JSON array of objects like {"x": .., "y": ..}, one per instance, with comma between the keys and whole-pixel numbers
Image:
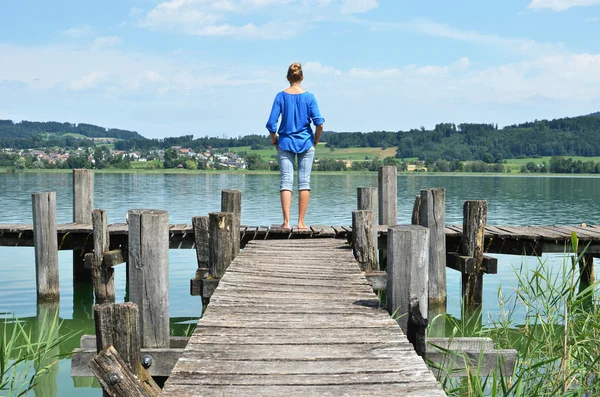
[
  {"x": 515, "y": 164},
  {"x": 352, "y": 154},
  {"x": 78, "y": 136}
]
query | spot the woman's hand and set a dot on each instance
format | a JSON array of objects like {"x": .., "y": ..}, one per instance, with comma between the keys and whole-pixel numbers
[{"x": 275, "y": 141}]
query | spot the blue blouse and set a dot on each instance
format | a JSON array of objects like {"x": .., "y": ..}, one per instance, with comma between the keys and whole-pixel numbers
[{"x": 297, "y": 111}]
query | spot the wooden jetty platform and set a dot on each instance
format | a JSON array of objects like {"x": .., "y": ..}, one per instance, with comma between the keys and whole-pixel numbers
[
  {"x": 515, "y": 240},
  {"x": 298, "y": 318}
]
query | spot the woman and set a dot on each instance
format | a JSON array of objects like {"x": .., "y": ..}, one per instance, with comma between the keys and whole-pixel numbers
[{"x": 297, "y": 109}]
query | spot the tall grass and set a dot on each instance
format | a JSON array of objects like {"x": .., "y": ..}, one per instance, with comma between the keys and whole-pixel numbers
[
  {"x": 27, "y": 355},
  {"x": 557, "y": 336}
]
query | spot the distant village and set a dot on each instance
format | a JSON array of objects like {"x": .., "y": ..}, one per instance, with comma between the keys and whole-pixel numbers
[{"x": 179, "y": 157}]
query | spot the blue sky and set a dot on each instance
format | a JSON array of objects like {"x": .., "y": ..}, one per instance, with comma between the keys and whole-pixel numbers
[{"x": 213, "y": 67}]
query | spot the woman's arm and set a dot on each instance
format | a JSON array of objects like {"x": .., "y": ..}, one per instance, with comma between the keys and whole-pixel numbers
[
  {"x": 318, "y": 131},
  {"x": 274, "y": 117}
]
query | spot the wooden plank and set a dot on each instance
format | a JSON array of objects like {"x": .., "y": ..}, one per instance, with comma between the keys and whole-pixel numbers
[
  {"x": 322, "y": 231},
  {"x": 429, "y": 389}
]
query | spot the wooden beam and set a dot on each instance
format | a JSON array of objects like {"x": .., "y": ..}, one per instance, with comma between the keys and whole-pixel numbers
[
  {"x": 116, "y": 378},
  {"x": 466, "y": 264},
  {"x": 163, "y": 360}
]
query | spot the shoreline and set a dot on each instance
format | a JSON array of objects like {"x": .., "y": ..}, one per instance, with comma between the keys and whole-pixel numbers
[{"x": 176, "y": 171}]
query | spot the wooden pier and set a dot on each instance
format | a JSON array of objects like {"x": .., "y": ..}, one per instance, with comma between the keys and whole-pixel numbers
[
  {"x": 512, "y": 240},
  {"x": 298, "y": 318}
]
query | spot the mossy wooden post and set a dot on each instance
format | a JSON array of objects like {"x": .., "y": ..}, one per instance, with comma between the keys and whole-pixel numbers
[
  {"x": 432, "y": 215},
  {"x": 362, "y": 240},
  {"x": 407, "y": 280},
  {"x": 83, "y": 204},
  {"x": 46, "y": 245},
  {"x": 367, "y": 199},
  {"x": 102, "y": 275},
  {"x": 117, "y": 326},
  {"x": 149, "y": 273},
  {"x": 387, "y": 179},
  {"x": 231, "y": 201},
  {"x": 472, "y": 245},
  {"x": 220, "y": 242}
]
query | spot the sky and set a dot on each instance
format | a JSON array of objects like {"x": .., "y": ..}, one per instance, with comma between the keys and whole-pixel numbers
[{"x": 213, "y": 67}]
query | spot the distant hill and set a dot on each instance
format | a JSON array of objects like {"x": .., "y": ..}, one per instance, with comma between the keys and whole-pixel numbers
[
  {"x": 571, "y": 136},
  {"x": 32, "y": 129},
  {"x": 597, "y": 114}
]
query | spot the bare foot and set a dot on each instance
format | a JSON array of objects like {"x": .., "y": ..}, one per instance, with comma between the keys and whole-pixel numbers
[
  {"x": 302, "y": 226},
  {"x": 285, "y": 226}
]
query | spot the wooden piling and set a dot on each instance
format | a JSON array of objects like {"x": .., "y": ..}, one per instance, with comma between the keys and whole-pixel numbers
[
  {"x": 362, "y": 240},
  {"x": 432, "y": 215},
  {"x": 472, "y": 245},
  {"x": 407, "y": 280},
  {"x": 388, "y": 195},
  {"x": 231, "y": 201},
  {"x": 102, "y": 275},
  {"x": 46, "y": 245},
  {"x": 220, "y": 242},
  {"x": 586, "y": 268},
  {"x": 149, "y": 273},
  {"x": 117, "y": 326},
  {"x": 200, "y": 225},
  {"x": 83, "y": 204},
  {"x": 367, "y": 199}
]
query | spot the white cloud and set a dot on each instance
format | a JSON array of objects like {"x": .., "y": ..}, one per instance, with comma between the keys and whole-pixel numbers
[
  {"x": 435, "y": 29},
  {"x": 209, "y": 18},
  {"x": 357, "y": 6},
  {"x": 107, "y": 41},
  {"x": 592, "y": 19},
  {"x": 85, "y": 82},
  {"x": 78, "y": 31},
  {"x": 560, "y": 5},
  {"x": 317, "y": 68}
]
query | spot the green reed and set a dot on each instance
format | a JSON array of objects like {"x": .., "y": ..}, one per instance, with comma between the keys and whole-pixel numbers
[
  {"x": 27, "y": 354},
  {"x": 558, "y": 341}
]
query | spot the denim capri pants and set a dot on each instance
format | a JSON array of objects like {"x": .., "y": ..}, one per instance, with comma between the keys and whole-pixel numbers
[{"x": 286, "y": 167}]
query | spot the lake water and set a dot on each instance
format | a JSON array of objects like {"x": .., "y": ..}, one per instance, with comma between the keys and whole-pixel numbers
[{"x": 512, "y": 200}]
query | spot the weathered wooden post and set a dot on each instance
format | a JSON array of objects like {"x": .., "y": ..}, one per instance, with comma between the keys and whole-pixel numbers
[
  {"x": 201, "y": 233},
  {"x": 388, "y": 195},
  {"x": 149, "y": 273},
  {"x": 586, "y": 268},
  {"x": 220, "y": 242},
  {"x": 432, "y": 215},
  {"x": 387, "y": 179},
  {"x": 46, "y": 245},
  {"x": 362, "y": 240},
  {"x": 102, "y": 275},
  {"x": 117, "y": 326},
  {"x": 231, "y": 201},
  {"x": 83, "y": 204},
  {"x": 472, "y": 245},
  {"x": 407, "y": 280},
  {"x": 367, "y": 199}
]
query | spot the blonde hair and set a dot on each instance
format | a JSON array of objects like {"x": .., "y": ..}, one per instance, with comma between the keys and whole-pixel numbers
[{"x": 294, "y": 73}]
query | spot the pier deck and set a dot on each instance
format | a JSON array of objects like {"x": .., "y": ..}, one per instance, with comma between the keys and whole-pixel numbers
[
  {"x": 298, "y": 318},
  {"x": 519, "y": 240}
]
